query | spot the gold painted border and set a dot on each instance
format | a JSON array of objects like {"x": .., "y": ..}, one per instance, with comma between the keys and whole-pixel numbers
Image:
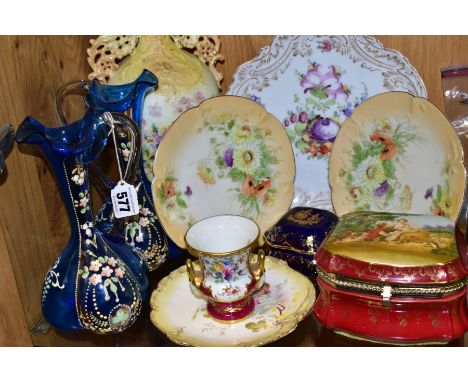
[
  {"x": 196, "y": 252},
  {"x": 278, "y": 246}
]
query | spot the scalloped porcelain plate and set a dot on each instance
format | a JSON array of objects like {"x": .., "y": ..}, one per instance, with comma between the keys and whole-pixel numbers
[
  {"x": 285, "y": 299},
  {"x": 312, "y": 84},
  {"x": 397, "y": 153},
  {"x": 227, "y": 156}
]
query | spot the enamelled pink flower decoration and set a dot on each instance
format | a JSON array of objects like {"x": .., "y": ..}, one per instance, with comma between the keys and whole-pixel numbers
[
  {"x": 87, "y": 228},
  {"x": 95, "y": 279},
  {"x": 327, "y": 82},
  {"x": 112, "y": 262},
  {"x": 79, "y": 176},
  {"x": 95, "y": 265},
  {"x": 84, "y": 202},
  {"x": 144, "y": 211},
  {"x": 106, "y": 271},
  {"x": 144, "y": 221},
  {"x": 119, "y": 272},
  {"x": 125, "y": 153}
]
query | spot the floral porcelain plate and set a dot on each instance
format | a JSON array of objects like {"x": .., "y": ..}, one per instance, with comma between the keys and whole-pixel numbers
[
  {"x": 312, "y": 84},
  {"x": 397, "y": 153},
  {"x": 227, "y": 156},
  {"x": 284, "y": 300}
]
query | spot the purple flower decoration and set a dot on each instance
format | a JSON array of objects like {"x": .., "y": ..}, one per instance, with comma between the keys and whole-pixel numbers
[
  {"x": 157, "y": 138},
  {"x": 228, "y": 157},
  {"x": 228, "y": 272},
  {"x": 428, "y": 193},
  {"x": 324, "y": 130},
  {"x": 347, "y": 112},
  {"x": 381, "y": 190},
  {"x": 328, "y": 82},
  {"x": 188, "y": 191}
]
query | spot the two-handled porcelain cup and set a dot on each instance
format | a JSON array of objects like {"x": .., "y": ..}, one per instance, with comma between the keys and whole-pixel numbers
[{"x": 230, "y": 272}]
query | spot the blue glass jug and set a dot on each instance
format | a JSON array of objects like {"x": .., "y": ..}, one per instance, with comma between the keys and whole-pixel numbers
[{"x": 98, "y": 282}]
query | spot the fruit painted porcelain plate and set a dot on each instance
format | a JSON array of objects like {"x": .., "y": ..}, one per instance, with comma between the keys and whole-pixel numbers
[
  {"x": 397, "y": 153},
  {"x": 284, "y": 300},
  {"x": 227, "y": 156},
  {"x": 312, "y": 84}
]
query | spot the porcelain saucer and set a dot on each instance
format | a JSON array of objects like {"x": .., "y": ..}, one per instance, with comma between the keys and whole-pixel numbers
[{"x": 284, "y": 300}]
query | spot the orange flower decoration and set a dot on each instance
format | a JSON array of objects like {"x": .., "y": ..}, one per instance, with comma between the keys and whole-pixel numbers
[
  {"x": 248, "y": 186},
  {"x": 169, "y": 190},
  {"x": 261, "y": 190},
  {"x": 438, "y": 211},
  {"x": 380, "y": 136},
  {"x": 390, "y": 149}
]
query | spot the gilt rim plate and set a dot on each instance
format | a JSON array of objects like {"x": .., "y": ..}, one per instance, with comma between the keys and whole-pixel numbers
[
  {"x": 398, "y": 153},
  {"x": 286, "y": 298},
  {"x": 226, "y": 156},
  {"x": 312, "y": 84}
]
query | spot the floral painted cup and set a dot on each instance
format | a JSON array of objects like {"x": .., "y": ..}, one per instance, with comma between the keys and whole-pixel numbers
[{"x": 230, "y": 272}]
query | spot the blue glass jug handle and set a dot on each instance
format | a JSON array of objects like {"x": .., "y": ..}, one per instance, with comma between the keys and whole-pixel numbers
[
  {"x": 80, "y": 87},
  {"x": 102, "y": 182}
]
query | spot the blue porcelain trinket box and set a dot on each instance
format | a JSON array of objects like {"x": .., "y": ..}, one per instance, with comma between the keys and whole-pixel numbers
[{"x": 298, "y": 235}]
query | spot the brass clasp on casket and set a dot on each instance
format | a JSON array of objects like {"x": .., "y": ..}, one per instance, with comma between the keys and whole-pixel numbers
[{"x": 386, "y": 294}]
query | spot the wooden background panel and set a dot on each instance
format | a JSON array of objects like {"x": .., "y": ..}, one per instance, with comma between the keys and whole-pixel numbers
[
  {"x": 237, "y": 50},
  {"x": 428, "y": 54},
  {"x": 13, "y": 327}
]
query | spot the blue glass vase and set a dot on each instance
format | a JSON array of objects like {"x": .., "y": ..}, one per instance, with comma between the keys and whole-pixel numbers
[
  {"x": 98, "y": 282},
  {"x": 145, "y": 232}
]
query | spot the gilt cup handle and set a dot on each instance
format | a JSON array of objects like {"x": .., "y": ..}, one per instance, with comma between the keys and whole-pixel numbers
[
  {"x": 196, "y": 280},
  {"x": 259, "y": 270}
]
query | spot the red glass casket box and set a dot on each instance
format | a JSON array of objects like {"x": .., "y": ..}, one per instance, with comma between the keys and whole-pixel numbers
[{"x": 392, "y": 278}]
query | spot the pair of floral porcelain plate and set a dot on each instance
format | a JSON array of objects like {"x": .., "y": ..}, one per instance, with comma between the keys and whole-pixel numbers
[{"x": 311, "y": 115}]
